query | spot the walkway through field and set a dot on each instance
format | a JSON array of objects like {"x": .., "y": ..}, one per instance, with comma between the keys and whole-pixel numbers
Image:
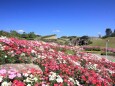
[{"x": 111, "y": 58}]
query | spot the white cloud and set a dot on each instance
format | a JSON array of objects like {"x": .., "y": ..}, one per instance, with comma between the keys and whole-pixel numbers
[
  {"x": 20, "y": 31},
  {"x": 99, "y": 32},
  {"x": 56, "y": 31}
]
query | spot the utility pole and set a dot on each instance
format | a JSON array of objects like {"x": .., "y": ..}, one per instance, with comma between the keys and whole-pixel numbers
[{"x": 106, "y": 46}]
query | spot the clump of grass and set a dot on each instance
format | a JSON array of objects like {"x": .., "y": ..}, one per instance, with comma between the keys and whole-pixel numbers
[{"x": 70, "y": 52}]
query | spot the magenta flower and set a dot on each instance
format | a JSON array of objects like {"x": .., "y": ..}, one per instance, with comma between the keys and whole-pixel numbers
[
  {"x": 12, "y": 76},
  {"x": 3, "y": 71}
]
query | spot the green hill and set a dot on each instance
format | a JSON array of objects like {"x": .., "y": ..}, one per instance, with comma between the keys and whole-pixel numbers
[
  {"x": 102, "y": 42},
  {"x": 53, "y": 36}
]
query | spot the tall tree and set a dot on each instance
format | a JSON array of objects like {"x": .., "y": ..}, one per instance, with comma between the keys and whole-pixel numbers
[
  {"x": 31, "y": 35},
  {"x": 84, "y": 40},
  {"x": 108, "y": 32},
  {"x": 24, "y": 35}
]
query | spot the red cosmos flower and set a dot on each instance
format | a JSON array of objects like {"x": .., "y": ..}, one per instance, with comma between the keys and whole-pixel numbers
[
  {"x": 34, "y": 71},
  {"x": 18, "y": 83},
  {"x": 15, "y": 81},
  {"x": 61, "y": 84},
  {"x": 37, "y": 84},
  {"x": 18, "y": 52},
  {"x": 94, "y": 81},
  {"x": 6, "y": 48},
  {"x": 56, "y": 85},
  {"x": 65, "y": 80},
  {"x": 83, "y": 77},
  {"x": 102, "y": 76},
  {"x": 98, "y": 85},
  {"x": 90, "y": 78}
]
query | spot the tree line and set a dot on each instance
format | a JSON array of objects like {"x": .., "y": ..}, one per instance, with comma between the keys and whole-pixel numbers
[
  {"x": 109, "y": 33},
  {"x": 74, "y": 40},
  {"x": 13, "y": 33}
]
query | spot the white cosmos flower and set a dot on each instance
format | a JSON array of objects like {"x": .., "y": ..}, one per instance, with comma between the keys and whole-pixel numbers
[
  {"x": 59, "y": 79},
  {"x": 39, "y": 56},
  {"x": 25, "y": 74},
  {"x": 72, "y": 80},
  {"x": 77, "y": 82},
  {"x": 28, "y": 80},
  {"x": 50, "y": 57},
  {"x": 29, "y": 72},
  {"x": 1, "y": 78},
  {"x": 76, "y": 63},
  {"x": 64, "y": 61},
  {"x": 51, "y": 50},
  {"x": 5, "y": 83},
  {"x": 95, "y": 66},
  {"x": 41, "y": 48},
  {"x": 5, "y": 56},
  {"x": 3, "y": 37},
  {"x": 29, "y": 85},
  {"x": 43, "y": 57},
  {"x": 52, "y": 76},
  {"x": 31, "y": 76},
  {"x": 35, "y": 79},
  {"x": 2, "y": 47},
  {"x": 33, "y": 51},
  {"x": 22, "y": 54}
]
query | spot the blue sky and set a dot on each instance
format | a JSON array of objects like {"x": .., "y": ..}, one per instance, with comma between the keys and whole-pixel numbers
[{"x": 61, "y": 17}]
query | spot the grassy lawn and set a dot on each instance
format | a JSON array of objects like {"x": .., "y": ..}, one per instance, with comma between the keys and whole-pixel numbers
[{"x": 102, "y": 42}]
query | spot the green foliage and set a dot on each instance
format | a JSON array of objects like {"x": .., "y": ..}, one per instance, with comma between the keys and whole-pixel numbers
[
  {"x": 31, "y": 35},
  {"x": 84, "y": 40},
  {"x": 64, "y": 37},
  {"x": 104, "y": 37},
  {"x": 108, "y": 32},
  {"x": 24, "y": 35},
  {"x": 4, "y": 58},
  {"x": 84, "y": 37},
  {"x": 70, "y": 52},
  {"x": 93, "y": 49},
  {"x": 4, "y": 33},
  {"x": 65, "y": 84},
  {"x": 71, "y": 38},
  {"x": 15, "y": 34}
]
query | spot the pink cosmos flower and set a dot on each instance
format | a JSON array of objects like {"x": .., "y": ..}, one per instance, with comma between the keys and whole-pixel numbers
[
  {"x": 3, "y": 71},
  {"x": 18, "y": 75},
  {"x": 12, "y": 76}
]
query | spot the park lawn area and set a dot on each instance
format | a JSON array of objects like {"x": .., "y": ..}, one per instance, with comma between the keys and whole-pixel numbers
[{"x": 102, "y": 42}]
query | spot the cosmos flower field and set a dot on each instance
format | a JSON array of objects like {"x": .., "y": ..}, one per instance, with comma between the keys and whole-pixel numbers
[{"x": 60, "y": 65}]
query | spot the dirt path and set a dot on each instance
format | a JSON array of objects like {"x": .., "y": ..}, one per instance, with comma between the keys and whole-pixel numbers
[{"x": 111, "y": 58}]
